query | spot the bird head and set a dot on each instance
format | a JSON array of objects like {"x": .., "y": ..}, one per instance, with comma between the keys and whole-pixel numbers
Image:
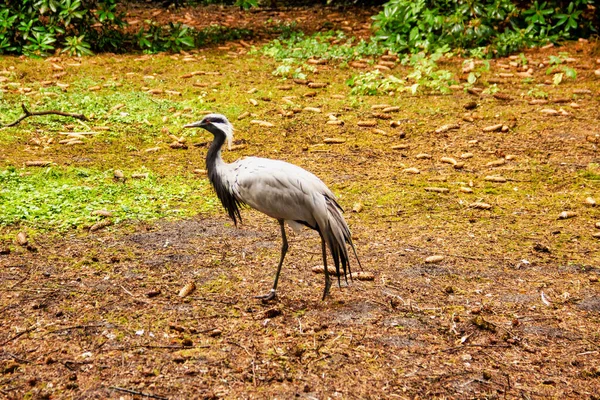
[{"x": 217, "y": 124}]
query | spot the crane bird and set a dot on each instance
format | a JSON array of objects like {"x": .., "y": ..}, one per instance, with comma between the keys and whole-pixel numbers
[{"x": 281, "y": 190}]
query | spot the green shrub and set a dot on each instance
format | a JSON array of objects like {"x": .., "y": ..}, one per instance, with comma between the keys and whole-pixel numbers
[
  {"x": 499, "y": 26},
  {"x": 328, "y": 45},
  {"x": 40, "y": 27},
  {"x": 82, "y": 27}
]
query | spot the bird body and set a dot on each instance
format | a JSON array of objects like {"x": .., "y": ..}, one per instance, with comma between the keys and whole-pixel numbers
[{"x": 280, "y": 190}]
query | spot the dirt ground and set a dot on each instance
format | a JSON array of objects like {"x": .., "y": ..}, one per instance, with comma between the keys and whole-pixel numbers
[{"x": 512, "y": 310}]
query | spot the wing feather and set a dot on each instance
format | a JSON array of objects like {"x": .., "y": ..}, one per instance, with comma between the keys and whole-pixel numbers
[{"x": 279, "y": 189}]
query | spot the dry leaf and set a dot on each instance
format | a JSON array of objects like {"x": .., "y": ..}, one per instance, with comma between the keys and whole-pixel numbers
[
  {"x": 357, "y": 207},
  {"x": 480, "y": 205},
  {"x": 549, "y": 111},
  {"x": 22, "y": 239},
  {"x": 446, "y": 128},
  {"x": 495, "y": 178},
  {"x": 448, "y": 160},
  {"x": 362, "y": 276},
  {"x": 437, "y": 189},
  {"x": 496, "y": 163},
  {"x": 102, "y": 213},
  {"x": 319, "y": 269},
  {"x": 492, "y": 128},
  {"x": 334, "y": 140},
  {"x": 567, "y": 214},
  {"x": 312, "y": 109},
  {"x": 99, "y": 225},
  {"x": 187, "y": 289},
  {"x": 37, "y": 163},
  {"x": 262, "y": 123},
  {"x": 545, "y": 300},
  {"x": 434, "y": 259}
]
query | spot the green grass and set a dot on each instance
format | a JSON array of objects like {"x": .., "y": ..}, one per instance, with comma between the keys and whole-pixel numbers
[{"x": 63, "y": 198}]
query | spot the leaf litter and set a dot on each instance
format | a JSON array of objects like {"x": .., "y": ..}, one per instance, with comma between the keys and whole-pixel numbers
[{"x": 454, "y": 303}]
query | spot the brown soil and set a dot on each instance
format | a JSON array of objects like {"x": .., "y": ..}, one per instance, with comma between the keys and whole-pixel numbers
[
  {"x": 352, "y": 20},
  {"x": 511, "y": 311}
]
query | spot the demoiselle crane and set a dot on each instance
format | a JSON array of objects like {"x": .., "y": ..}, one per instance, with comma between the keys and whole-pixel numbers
[{"x": 281, "y": 190}]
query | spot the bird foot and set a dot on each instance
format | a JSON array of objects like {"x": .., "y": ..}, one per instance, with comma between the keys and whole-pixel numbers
[{"x": 266, "y": 297}]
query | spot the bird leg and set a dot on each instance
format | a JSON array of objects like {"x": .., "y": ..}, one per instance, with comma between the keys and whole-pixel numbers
[
  {"x": 284, "y": 248},
  {"x": 327, "y": 280}
]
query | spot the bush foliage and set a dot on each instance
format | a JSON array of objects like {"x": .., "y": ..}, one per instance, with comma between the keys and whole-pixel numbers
[
  {"x": 80, "y": 27},
  {"x": 483, "y": 27}
]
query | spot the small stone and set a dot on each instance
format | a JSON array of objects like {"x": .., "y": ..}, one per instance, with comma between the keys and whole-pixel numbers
[{"x": 590, "y": 201}]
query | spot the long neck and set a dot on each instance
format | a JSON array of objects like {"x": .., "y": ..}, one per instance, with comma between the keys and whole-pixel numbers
[
  {"x": 217, "y": 176},
  {"x": 213, "y": 157}
]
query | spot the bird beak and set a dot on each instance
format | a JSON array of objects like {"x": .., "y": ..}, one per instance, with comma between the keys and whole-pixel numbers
[{"x": 197, "y": 124}]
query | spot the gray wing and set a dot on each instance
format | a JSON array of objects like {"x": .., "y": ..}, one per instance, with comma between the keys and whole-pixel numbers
[{"x": 280, "y": 190}]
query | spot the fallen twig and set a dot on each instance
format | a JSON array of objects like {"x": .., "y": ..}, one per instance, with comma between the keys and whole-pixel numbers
[
  {"x": 30, "y": 329},
  {"x": 130, "y": 391},
  {"x": 69, "y": 328},
  {"x": 49, "y": 112}
]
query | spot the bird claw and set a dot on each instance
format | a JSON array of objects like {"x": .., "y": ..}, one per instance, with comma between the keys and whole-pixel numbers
[{"x": 266, "y": 297}]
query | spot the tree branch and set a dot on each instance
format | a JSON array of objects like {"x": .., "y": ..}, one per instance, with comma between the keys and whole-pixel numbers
[{"x": 49, "y": 112}]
